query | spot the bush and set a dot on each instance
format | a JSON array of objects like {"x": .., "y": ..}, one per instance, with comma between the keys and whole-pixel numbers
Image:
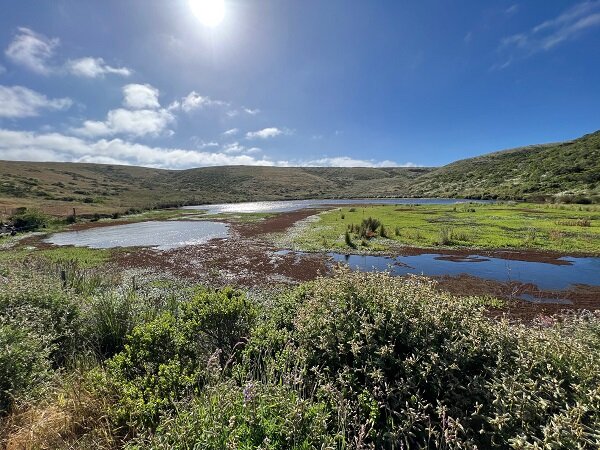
[
  {"x": 24, "y": 362},
  {"x": 110, "y": 318},
  {"x": 244, "y": 417},
  {"x": 348, "y": 240},
  {"x": 445, "y": 236},
  {"x": 29, "y": 219},
  {"x": 367, "y": 228},
  {"x": 173, "y": 355},
  {"x": 403, "y": 366},
  {"x": 40, "y": 307}
]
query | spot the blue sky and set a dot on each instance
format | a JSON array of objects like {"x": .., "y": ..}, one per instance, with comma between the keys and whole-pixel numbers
[{"x": 342, "y": 83}]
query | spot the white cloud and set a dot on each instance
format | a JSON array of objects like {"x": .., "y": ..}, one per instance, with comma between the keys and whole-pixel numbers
[
  {"x": 265, "y": 133},
  {"x": 231, "y": 132},
  {"x": 144, "y": 117},
  {"x": 346, "y": 161},
  {"x": 194, "y": 101},
  {"x": 36, "y": 51},
  {"x": 31, "y": 146},
  {"x": 237, "y": 112},
  {"x": 94, "y": 67},
  {"x": 567, "y": 26},
  {"x": 19, "y": 101},
  {"x": 140, "y": 96},
  {"x": 201, "y": 143},
  {"x": 237, "y": 148},
  {"x": 139, "y": 122},
  {"x": 32, "y": 50}
]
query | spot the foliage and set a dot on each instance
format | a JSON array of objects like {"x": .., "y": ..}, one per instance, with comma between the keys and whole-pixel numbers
[
  {"x": 565, "y": 228},
  {"x": 24, "y": 363},
  {"x": 227, "y": 415},
  {"x": 403, "y": 366},
  {"x": 357, "y": 360},
  {"x": 29, "y": 219},
  {"x": 169, "y": 357},
  {"x": 43, "y": 309}
]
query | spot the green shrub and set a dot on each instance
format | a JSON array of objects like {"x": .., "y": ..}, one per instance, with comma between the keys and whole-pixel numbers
[
  {"x": 29, "y": 219},
  {"x": 175, "y": 354},
  {"x": 110, "y": 318},
  {"x": 445, "y": 236},
  {"x": 24, "y": 362},
  {"x": 367, "y": 228},
  {"x": 244, "y": 417},
  {"x": 402, "y": 366},
  {"x": 41, "y": 307},
  {"x": 348, "y": 240}
]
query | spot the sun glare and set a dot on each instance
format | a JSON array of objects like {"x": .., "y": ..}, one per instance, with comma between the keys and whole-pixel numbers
[{"x": 209, "y": 12}]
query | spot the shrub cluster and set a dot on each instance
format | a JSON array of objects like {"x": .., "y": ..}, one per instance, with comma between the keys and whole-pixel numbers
[
  {"x": 357, "y": 360},
  {"x": 29, "y": 219}
]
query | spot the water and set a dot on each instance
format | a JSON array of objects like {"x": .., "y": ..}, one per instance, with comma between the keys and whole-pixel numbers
[
  {"x": 294, "y": 205},
  {"x": 545, "y": 276},
  {"x": 160, "y": 235}
]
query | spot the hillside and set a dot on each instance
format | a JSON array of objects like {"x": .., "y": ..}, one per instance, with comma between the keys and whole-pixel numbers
[
  {"x": 569, "y": 169},
  {"x": 58, "y": 187},
  {"x": 535, "y": 172}
]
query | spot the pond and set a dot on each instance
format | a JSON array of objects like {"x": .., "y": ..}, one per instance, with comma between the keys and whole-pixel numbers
[
  {"x": 294, "y": 205},
  {"x": 160, "y": 235},
  {"x": 545, "y": 276}
]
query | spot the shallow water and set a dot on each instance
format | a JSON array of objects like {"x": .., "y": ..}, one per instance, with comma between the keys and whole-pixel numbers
[
  {"x": 294, "y": 205},
  {"x": 160, "y": 235},
  {"x": 545, "y": 276}
]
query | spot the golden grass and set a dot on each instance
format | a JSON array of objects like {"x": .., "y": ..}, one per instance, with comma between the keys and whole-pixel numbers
[{"x": 72, "y": 416}]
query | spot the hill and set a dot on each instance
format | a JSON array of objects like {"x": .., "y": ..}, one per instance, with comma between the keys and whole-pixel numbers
[
  {"x": 568, "y": 170},
  {"x": 58, "y": 187}
]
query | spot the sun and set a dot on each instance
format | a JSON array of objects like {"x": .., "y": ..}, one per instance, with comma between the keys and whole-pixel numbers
[{"x": 210, "y": 12}]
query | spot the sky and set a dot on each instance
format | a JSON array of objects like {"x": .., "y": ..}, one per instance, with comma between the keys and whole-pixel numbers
[{"x": 159, "y": 83}]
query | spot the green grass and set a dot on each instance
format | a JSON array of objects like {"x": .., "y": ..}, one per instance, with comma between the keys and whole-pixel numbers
[
  {"x": 83, "y": 256},
  {"x": 562, "y": 228}
]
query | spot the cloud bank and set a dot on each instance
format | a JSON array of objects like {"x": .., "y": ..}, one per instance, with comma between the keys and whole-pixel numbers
[{"x": 33, "y": 146}]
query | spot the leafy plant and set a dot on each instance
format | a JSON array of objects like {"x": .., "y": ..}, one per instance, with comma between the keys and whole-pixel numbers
[
  {"x": 29, "y": 219},
  {"x": 171, "y": 356}
]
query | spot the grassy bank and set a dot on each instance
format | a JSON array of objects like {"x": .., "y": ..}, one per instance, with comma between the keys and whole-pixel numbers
[
  {"x": 100, "y": 361},
  {"x": 562, "y": 228}
]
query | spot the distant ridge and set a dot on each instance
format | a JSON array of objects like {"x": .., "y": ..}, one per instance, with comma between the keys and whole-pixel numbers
[{"x": 567, "y": 170}]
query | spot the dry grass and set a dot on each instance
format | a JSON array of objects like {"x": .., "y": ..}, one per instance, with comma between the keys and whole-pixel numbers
[{"x": 71, "y": 416}]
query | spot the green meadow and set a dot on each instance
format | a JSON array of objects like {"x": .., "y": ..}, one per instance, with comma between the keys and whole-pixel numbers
[{"x": 561, "y": 228}]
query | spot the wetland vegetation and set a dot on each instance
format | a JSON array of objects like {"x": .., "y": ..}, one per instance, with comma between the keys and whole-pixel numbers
[
  {"x": 525, "y": 226},
  {"x": 106, "y": 359}
]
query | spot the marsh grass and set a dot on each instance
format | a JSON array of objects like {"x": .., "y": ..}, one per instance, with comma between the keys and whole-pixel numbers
[{"x": 503, "y": 225}]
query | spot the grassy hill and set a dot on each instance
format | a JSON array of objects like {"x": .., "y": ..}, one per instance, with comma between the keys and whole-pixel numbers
[
  {"x": 570, "y": 170},
  {"x": 58, "y": 187}
]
